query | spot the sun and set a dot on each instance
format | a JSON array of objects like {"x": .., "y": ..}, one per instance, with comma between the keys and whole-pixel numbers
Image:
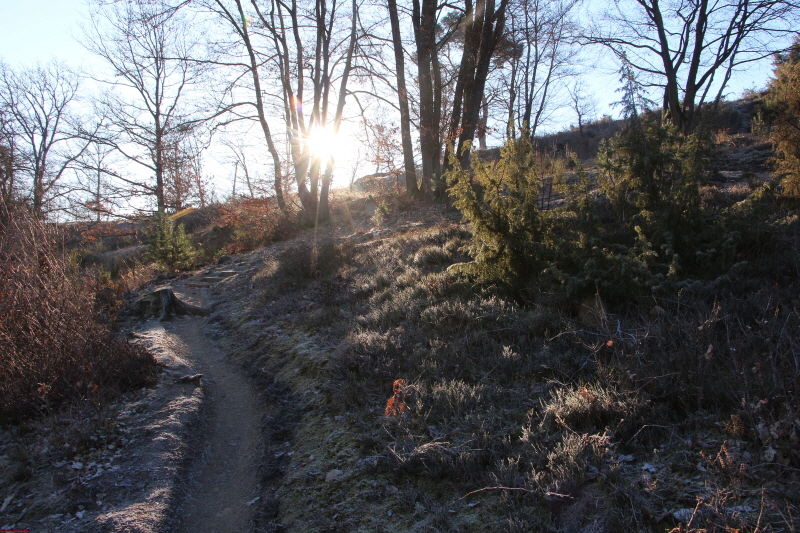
[{"x": 323, "y": 142}]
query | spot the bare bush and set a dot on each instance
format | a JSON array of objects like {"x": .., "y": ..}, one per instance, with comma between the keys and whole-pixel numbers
[
  {"x": 256, "y": 222},
  {"x": 53, "y": 350}
]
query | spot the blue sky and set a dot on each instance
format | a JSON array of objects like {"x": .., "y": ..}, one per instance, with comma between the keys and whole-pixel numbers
[{"x": 37, "y": 30}]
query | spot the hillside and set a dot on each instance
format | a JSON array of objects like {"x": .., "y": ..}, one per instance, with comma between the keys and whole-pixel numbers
[
  {"x": 673, "y": 413},
  {"x": 518, "y": 418}
]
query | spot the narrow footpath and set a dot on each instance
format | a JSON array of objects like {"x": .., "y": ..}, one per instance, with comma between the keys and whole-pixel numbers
[{"x": 223, "y": 485}]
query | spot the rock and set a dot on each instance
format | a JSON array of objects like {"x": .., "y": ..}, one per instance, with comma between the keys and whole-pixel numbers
[
  {"x": 334, "y": 475},
  {"x": 370, "y": 206},
  {"x": 367, "y": 463},
  {"x": 769, "y": 454},
  {"x": 194, "y": 378}
]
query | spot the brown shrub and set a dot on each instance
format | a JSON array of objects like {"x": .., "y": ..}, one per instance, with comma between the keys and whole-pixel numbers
[
  {"x": 53, "y": 349},
  {"x": 256, "y": 222}
]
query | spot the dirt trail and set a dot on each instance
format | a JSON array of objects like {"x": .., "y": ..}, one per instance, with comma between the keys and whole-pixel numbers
[{"x": 224, "y": 482}]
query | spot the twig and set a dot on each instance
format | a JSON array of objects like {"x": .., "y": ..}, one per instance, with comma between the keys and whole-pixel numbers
[
  {"x": 642, "y": 428},
  {"x": 485, "y": 489},
  {"x": 9, "y": 499},
  {"x": 761, "y": 511},
  {"x": 559, "y": 496}
]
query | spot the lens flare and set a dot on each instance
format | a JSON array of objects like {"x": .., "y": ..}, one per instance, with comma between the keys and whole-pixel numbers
[{"x": 323, "y": 143}]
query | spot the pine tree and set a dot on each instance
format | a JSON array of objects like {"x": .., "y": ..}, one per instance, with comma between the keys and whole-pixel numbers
[{"x": 169, "y": 244}]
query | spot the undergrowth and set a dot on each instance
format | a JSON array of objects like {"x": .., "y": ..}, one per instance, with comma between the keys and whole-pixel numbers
[
  {"x": 610, "y": 351},
  {"x": 54, "y": 350}
]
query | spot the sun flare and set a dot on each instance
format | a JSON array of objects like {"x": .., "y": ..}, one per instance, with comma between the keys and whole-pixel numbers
[{"x": 323, "y": 142}]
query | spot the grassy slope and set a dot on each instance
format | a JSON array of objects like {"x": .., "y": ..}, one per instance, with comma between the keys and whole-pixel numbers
[{"x": 519, "y": 419}]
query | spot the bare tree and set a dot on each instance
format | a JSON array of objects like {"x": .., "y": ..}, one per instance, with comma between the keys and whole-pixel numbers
[
  {"x": 435, "y": 25},
  {"x": 184, "y": 183},
  {"x": 96, "y": 183},
  {"x": 539, "y": 55},
  {"x": 8, "y": 190},
  {"x": 688, "y": 47},
  {"x": 240, "y": 160},
  {"x": 150, "y": 48},
  {"x": 236, "y": 21},
  {"x": 317, "y": 56},
  {"x": 305, "y": 44},
  {"x": 381, "y": 143},
  {"x": 584, "y": 105},
  {"x": 44, "y": 137}
]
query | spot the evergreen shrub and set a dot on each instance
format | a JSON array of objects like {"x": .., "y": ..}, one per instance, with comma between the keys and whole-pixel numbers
[
  {"x": 169, "y": 245},
  {"x": 638, "y": 229},
  {"x": 512, "y": 240}
]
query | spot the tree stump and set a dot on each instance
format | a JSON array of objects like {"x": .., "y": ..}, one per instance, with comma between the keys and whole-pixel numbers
[{"x": 164, "y": 304}]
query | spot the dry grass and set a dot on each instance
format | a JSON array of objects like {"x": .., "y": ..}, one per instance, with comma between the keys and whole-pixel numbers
[{"x": 254, "y": 222}]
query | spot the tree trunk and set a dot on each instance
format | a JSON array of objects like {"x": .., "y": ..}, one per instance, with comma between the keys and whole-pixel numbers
[
  {"x": 465, "y": 77},
  {"x": 262, "y": 118},
  {"x": 348, "y": 65},
  {"x": 405, "y": 117},
  {"x": 488, "y": 32},
  {"x": 483, "y": 121},
  {"x": 424, "y": 20},
  {"x": 512, "y": 100},
  {"x": 438, "y": 88}
]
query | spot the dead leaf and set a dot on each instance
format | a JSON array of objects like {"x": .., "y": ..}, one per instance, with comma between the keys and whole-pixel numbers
[
  {"x": 710, "y": 351},
  {"x": 586, "y": 395},
  {"x": 396, "y": 405}
]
